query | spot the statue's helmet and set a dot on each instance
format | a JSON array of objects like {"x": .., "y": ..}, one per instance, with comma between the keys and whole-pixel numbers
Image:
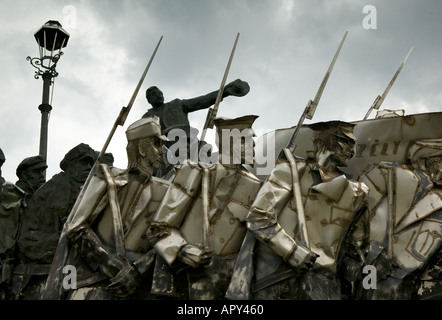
[
  {"x": 79, "y": 152},
  {"x": 31, "y": 163},
  {"x": 144, "y": 128}
]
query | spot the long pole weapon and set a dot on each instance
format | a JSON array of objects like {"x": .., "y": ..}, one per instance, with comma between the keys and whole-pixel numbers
[
  {"x": 211, "y": 114},
  {"x": 310, "y": 109},
  {"x": 380, "y": 99},
  {"x": 125, "y": 110},
  {"x": 53, "y": 289},
  {"x": 242, "y": 288},
  {"x": 288, "y": 151}
]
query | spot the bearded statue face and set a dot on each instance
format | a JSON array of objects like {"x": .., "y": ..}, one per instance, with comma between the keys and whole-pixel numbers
[
  {"x": 145, "y": 154},
  {"x": 344, "y": 152},
  {"x": 151, "y": 151},
  {"x": 334, "y": 149}
]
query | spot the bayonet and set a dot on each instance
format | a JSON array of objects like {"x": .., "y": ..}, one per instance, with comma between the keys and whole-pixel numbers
[
  {"x": 310, "y": 109},
  {"x": 211, "y": 114},
  {"x": 291, "y": 146},
  {"x": 53, "y": 288},
  {"x": 380, "y": 99},
  {"x": 125, "y": 110}
]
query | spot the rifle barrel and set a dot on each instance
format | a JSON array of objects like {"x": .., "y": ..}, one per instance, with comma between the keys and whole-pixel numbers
[
  {"x": 312, "y": 104},
  {"x": 226, "y": 73},
  {"x": 327, "y": 75},
  {"x": 125, "y": 110},
  {"x": 213, "y": 111},
  {"x": 380, "y": 99}
]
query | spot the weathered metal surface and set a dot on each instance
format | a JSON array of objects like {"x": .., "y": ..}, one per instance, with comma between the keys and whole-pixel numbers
[
  {"x": 405, "y": 226},
  {"x": 332, "y": 203},
  {"x": 381, "y": 139}
]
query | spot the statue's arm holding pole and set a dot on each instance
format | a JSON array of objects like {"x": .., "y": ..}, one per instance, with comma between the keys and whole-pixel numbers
[
  {"x": 291, "y": 146},
  {"x": 262, "y": 218},
  {"x": 273, "y": 196}
]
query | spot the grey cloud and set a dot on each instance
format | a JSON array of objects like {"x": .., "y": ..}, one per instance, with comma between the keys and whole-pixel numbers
[{"x": 283, "y": 52}]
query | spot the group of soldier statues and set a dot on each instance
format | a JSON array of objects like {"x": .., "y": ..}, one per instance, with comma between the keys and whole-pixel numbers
[{"x": 214, "y": 230}]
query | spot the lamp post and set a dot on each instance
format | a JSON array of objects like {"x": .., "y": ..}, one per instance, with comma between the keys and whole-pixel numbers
[{"x": 50, "y": 38}]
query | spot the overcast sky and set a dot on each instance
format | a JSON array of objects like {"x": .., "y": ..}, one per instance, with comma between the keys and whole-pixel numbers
[{"x": 283, "y": 52}]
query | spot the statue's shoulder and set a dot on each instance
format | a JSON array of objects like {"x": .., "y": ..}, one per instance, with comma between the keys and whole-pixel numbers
[
  {"x": 154, "y": 111},
  {"x": 11, "y": 192}
]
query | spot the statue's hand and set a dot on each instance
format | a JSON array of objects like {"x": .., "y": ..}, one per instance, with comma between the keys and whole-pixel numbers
[
  {"x": 195, "y": 255},
  {"x": 125, "y": 282},
  {"x": 302, "y": 259},
  {"x": 111, "y": 266},
  {"x": 309, "y": 261},
  {"x": 236, "y": 88}
]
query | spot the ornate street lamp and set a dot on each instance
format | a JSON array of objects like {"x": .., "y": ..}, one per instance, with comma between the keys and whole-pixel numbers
[{"x": 51, "y": 38}]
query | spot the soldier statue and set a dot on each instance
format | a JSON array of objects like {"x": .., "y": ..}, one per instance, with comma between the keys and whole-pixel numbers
[
  {"x": 107, "y": 232},
  {"x": 174, "y": 117},
  {"x": 301, "y": 217},
  {"x": 174, "y": 114},
  {"x": 43, "y": 221},
  {"x": 405, "y": 224},
  {"x": 12, "y": 205},
  {"x": 200, "y": 225}
]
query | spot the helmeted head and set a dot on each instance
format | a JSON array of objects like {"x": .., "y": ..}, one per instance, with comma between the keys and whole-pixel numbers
[
  {"x": 144, "y": 143},
  {"x": 32, "y": 171},
  {"x": 234, "y": 138},
  {"x": 426, "y": 155},
  {"x": 78, "y": 162},
  {"x": 333, "y": 140},
  {"x": 154, "y": 96}
]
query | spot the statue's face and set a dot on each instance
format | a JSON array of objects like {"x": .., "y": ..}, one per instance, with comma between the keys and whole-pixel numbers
[
  {"x": 35, "y": 177},
  {"x": 151, "y": 151},
  {"x": 344, "y": 152},
  {"x": 79, "y": 170},
  {"x": 332, "y": 150},
  {"x": 433, "y": 166},
  {"x": 155, "y": 97}
]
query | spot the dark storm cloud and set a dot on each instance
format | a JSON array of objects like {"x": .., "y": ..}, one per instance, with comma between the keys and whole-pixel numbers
[{"x": 284, "y": 50}]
